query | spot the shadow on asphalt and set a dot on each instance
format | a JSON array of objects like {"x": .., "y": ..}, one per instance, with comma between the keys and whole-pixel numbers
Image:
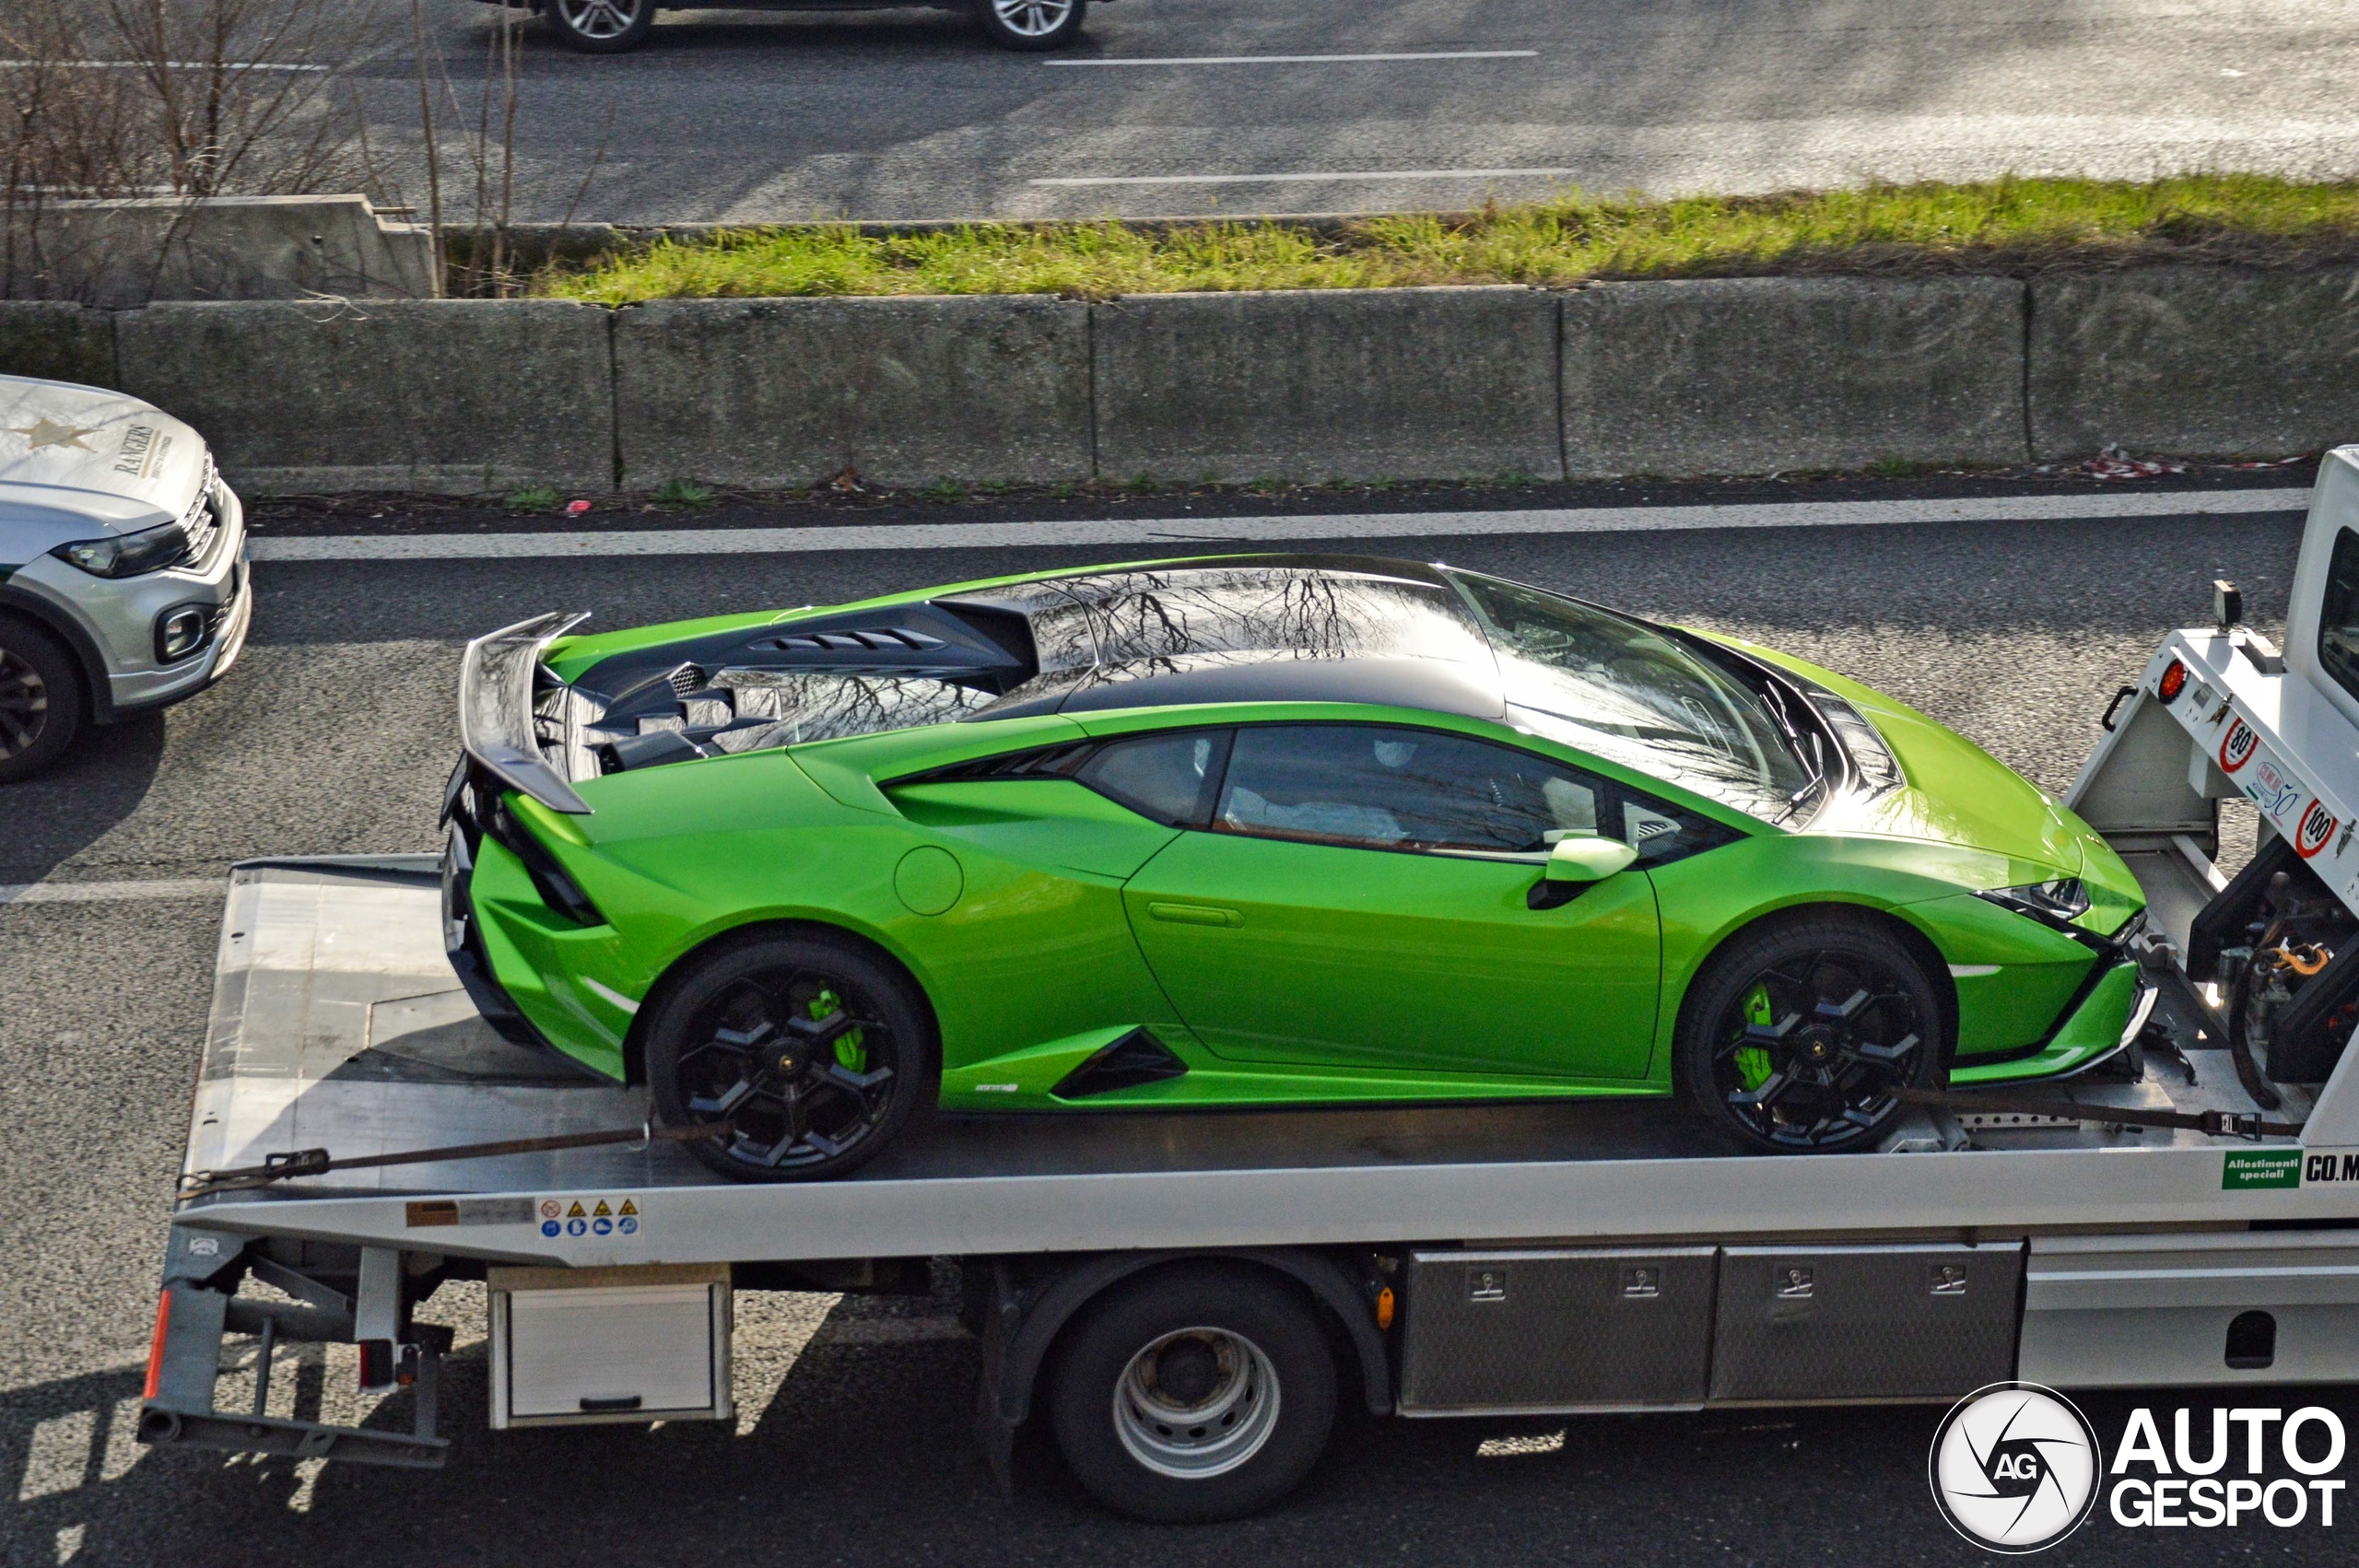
[
  {"x": 863, "y": 1456},
  {"x": 100, "y": 781}
]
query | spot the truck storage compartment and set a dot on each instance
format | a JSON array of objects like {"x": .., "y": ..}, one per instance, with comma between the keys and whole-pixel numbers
[
  {"x": 1559, "y": 1329},
  {"x": 1798, "y": 1325},
  {"x": 576, "y": 1346}
]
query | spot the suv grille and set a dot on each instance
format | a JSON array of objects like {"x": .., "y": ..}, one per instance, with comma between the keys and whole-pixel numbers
[{"x": 200, "y": 522}]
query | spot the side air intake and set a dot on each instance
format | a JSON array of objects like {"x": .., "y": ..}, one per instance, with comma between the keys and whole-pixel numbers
[{"x": 1138, "y": 1057}]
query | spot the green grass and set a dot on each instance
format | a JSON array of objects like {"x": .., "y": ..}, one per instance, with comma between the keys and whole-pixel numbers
[
  {"x": 685, "y": 493},
  {"x": 2007, "y": 226},
  {"x": 533, "y": 498}
]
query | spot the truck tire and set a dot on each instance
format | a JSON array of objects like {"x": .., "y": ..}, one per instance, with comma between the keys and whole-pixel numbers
[
  {"x": 1033, "y": 26},
  {"x": 599, "y": 27},
  {"x": 1795, "y": 1035},
  {"x": 42, "y": 704},
  {"x": 1193, "y": 1393},
  {"x": 808, "y": 1051}
]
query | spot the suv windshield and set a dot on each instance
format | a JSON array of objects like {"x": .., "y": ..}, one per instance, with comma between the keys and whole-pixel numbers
[{"x": 1593, "y": 680}]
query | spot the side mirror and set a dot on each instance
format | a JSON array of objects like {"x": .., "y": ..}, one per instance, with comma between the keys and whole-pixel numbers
[{"x": 1574, "y": 865}]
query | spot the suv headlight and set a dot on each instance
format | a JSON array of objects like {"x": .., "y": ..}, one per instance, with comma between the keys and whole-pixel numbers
[
  {"x": 2057, "y": 903},
  {"x": 128, "y": 554}
]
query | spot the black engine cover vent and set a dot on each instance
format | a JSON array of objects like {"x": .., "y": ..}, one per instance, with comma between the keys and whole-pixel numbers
[{"x": 1138, "y": 1057}]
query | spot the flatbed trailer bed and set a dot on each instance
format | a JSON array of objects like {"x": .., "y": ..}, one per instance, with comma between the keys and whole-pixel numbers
[{"x": 1431, "y": 1260}]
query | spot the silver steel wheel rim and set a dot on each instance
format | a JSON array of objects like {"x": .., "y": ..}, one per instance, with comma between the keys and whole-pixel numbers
[
  {"x": 1209, "y": 1435},
  {"x": 1032, "y": 18},
  {"x": 24, "y": 705},
  {"x": 599, "y": 18}
]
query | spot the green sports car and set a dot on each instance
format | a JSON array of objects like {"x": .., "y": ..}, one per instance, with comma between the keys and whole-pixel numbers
[{"x": 1252, "y": 830}]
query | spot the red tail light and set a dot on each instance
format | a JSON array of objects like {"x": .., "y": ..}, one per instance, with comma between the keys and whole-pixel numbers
[{"x": 2173, "y": 682}]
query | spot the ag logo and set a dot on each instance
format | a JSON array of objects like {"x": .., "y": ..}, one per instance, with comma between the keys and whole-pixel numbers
[
  {"x": 2015, "y": 1468},
  {"x": 2316, "y": 826},
  {"x": 2237, "y": 745}
]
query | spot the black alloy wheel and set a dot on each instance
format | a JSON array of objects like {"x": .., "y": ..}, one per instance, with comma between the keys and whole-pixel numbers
[
  {"x": 1799, "y": 1038},
  {"x": 40, "y": 699},
  {"x": 808, "y": 1053},
  {"x": 599, "y": 27},
  {"x": 1030, "y": 25}
]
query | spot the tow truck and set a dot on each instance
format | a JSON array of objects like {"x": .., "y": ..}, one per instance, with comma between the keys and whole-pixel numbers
[{"x": 2187, "y": 1214}]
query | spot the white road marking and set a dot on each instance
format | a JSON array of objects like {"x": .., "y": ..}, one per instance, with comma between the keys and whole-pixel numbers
[
  {"x": 1160, "y": 532},
  {"x": 1304, "y": 59},
  {"x": 111, "y": 892},
  {"x": 1309, "y": 179},
  {"x": 230, "y": 65}
]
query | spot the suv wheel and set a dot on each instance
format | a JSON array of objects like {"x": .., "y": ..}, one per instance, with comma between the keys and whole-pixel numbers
[
  {"x": 601, "y": 27},
  {"x": 40, "y": 699},
  {"x": 1030, "y": 24}
]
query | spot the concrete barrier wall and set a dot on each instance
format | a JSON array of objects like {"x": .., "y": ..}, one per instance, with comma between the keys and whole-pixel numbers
[
  {"x": 772, "y": 394},
  {"x": 460, "y": 396},
  {"x": 2199, "y": 361},
  {"x": 1724, "y": 376},
  {"x": 1350, "y": 384},
  {"x": 1754, "y": 375}
]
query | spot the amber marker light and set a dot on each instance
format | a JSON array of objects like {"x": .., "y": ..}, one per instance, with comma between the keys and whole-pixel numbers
[
  {"x": 1384, "y": 1307},
  {"x": 156, "y": 1345},
  {"x": 2173, "y": 682}
]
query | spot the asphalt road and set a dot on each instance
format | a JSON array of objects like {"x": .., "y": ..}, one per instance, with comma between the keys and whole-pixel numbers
[
  {"x": 853, "y": 1447},
  {"x": 904, "y": 114}
]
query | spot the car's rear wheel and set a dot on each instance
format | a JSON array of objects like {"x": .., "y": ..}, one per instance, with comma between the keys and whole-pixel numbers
[
  {"x": 1799, "y": 1037},
  {"x": 1198, "y": 1392},
  {"x": 599, "y": 27},
  {"x": 40, "y": 699},
  {"x": 808, "y": 1054},
  {"x": 1030, "y": 24}
]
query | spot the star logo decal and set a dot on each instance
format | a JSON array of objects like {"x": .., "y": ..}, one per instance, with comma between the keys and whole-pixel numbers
[{"x": 47, "y": 432}]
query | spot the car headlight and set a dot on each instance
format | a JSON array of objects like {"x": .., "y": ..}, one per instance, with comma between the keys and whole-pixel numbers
[
  {"x": 128, "y": 554},
  {"x": 2053, "y": 903}
]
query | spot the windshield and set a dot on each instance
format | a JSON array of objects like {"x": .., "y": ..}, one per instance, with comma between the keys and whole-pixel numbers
[{"x": 1590, "y": 679}]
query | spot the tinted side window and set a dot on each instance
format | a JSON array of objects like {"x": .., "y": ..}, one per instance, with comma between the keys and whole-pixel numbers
[
  {"x": 1166, "y": 778},
  {"x": 1378, "y": 786},
  {"x": 2339, "y": 614}
]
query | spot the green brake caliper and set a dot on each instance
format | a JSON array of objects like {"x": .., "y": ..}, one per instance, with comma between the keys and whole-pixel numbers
[
  {"x": 851, "y": 1045},
  {"x": 1751, "y": 1062}
]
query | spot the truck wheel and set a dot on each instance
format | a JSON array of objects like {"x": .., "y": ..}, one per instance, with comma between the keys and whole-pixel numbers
[
  {"x": 599, "y": 27},
  {"x": 1797, "y": 1037},
  {"x": 40, "y": 699},
  {"x": 1193, "y": 1393},
  {"x": 1030, "y": 25},
  {"x": 808, "y": 1052}
]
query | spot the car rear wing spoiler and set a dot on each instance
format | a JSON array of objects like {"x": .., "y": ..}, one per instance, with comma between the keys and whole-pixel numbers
[{"x": 497, "y": 684}]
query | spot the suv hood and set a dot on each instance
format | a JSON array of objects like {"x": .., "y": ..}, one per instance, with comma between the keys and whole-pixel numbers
[{"x": 102, "y": 455}]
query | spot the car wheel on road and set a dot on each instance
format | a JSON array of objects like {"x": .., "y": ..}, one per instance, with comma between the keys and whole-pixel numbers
[
  {"x": 40, "y": 699},
  {"x": 1193, "y": 1393},
  {"x": 601, "y": 27},
  {"x": 1799, "y": 1036},
  {"x": 1030, "y": 24},
  {"x": 809, "y": 1052}
]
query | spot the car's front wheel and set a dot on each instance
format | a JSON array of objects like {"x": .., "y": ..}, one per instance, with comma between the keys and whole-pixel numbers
[
  {"x": 1799, "y": 1036},
  {"x": 40, "y": 699},
  {"x": 599, "y": 27},
  {"x": 806, "y": 1054},
  {"x": 1030, "y": 24}
]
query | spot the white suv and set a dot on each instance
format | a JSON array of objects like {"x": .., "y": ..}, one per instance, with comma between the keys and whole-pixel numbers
[{"x": 123, "y": 566}]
